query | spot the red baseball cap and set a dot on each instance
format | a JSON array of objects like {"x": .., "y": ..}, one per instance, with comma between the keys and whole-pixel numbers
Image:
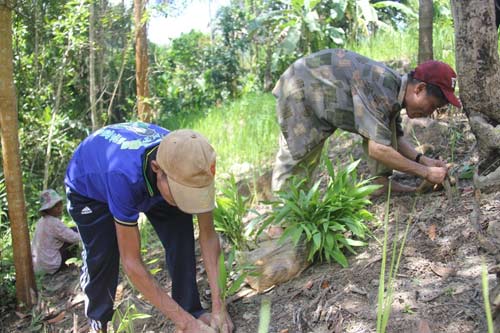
[{"x": 439, "y": 74}]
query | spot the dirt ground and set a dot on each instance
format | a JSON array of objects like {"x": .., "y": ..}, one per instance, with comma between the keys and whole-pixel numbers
[{"x": 437, "y": 289}]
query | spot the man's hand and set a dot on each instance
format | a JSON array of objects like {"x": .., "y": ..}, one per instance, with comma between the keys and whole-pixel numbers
[
  {"x": 222, "y": 322},
  {"x": 195, "y": 326},
  {"x": 436, "y": 175}
]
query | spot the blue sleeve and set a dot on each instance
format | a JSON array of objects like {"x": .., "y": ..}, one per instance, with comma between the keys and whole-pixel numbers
[{"x": 121, "y": 199}]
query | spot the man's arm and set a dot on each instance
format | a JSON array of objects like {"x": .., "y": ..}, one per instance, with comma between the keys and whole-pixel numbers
[
  {"x": 129, "y": 243},
  {"x": 210, "y": 251},
  {"x": 393, "y": 159},
  {"x": 407, "y": 150}
]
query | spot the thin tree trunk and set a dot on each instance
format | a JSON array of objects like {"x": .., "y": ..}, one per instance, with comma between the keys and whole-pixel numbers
[
  {"x": 101, "y": 40},
  {"x": 425, "y": 19},
  {"x": 141, "y": 61},
  {"x": 35, "y": 24},
  {"x": 118, "y": 82},
  {"x": 92, "y": 78},
  {"x": 25, "y": 280}
]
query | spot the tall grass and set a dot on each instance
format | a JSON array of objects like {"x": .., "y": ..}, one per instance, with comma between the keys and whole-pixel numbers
[
  {"x": 242, "y": 131},
  {"x": 403, "y": 45},
  {"x": 386, "y": 288},
  {"x": 388, "y": 45}
]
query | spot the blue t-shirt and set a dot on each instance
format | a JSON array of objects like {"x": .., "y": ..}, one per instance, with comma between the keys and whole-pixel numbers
[{"x": 110, "y": 166}]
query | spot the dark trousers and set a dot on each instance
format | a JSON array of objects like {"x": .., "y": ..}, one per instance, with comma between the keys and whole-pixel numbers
[{"x": 101, "y": 256}]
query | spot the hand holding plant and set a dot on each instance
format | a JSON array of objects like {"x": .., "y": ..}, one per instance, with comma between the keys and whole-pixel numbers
[{"x": 222, "y": 321}]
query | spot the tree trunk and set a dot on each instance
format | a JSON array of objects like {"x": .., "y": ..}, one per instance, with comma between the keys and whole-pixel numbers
[
  {"x": 425, "y": 16},
  {"x": 101, "y": 56},
  {"x": 25, "y": 280},
  {"x": 92, "y": 76},
  {"x": 478, "y": 69},
  {"x": 141, "y": 61},
  {"x": 111, "y": 117}
]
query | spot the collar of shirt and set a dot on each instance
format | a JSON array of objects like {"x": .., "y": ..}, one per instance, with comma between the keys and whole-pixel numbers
[
  {"x": 149, "y": 175},
  {"x": 402, "y": 90}
]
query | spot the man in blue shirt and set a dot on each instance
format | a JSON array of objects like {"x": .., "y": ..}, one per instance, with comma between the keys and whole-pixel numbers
[{"x": 122, "y": 170}]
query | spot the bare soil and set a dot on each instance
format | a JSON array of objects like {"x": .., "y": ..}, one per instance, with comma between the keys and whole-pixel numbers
[{"x": 437, "y": 289}]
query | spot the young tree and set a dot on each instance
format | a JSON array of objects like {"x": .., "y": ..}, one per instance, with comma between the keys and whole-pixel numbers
[
  {"x": 478, "y": 67},
  {"x": 141, "y": 61},
  {"x": 425, "y": 19},
  {"x": 25, "y": 280},
  {"x": 92, "y": 70}
]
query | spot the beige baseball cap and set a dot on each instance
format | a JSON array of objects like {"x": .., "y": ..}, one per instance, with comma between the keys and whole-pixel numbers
[{"x": 188, "y": 160}]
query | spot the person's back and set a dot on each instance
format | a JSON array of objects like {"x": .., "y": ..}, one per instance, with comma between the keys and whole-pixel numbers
[
  {"x": 108, "y": 167},
  {"x": 332, "y": 89}
]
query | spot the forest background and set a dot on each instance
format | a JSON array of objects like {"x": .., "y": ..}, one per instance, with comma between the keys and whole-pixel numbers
[{"x": 75, "y": 71}]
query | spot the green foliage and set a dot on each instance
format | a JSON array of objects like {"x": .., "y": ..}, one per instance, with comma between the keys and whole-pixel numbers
[
  {"x": 264, "y": 315},
  {"x": 124, "y": 321},
  {"x": 229, "y": 212},
  {"x": 386, "y": 290},
  {"x": 329, "y": 221},
  {"x": 241, "y": 131},
  {"x": 194, "y": 72},
  {"x": 486, "y": 297},
  {"x": 7, "y": 274},
  {"x": 228, "y": 269}
]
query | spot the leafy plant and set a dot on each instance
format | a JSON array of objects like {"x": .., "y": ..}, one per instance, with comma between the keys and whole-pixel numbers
[
  {"x": 125, "y": 320},
  {"x": 228, "y": 286},
  {"x": 229, "y": 212},
  {"x": 330, "y": 221}
]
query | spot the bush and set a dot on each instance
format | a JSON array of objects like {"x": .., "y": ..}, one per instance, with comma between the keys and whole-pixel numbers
[{"x": 330, "y": 221}]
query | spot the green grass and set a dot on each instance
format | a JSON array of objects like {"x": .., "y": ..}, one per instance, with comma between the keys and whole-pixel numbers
[
  {"x": 395, "y": 45},
  {"x": 241, "y": 131}
]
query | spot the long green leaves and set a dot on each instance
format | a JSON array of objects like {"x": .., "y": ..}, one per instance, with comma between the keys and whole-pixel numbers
[
  {"x": 385, "y": 296},
  {"x": 125, "y": 320},
  {"x": 228, "y": 215},
  {"x": 329, "y": 220},
  {"x": 227, "y": 268},
  {"x": 486, "y": 297}
]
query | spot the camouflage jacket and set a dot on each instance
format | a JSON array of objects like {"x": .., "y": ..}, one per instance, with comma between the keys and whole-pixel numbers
[{"x": 334, "y": 89}]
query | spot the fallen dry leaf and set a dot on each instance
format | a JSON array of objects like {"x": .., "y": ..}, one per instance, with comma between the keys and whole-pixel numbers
[
  {"x": 325, "y": 284},
  {"x": 80, "y": 297},
  {"x": 21, "y": 315},
  {"x": 308, "y": 285},
  {"x": 442, "y": 271},
  {"x": 432, "y": 232},
  {"x": 423, "y": 326},
  {"x": 57, "y": 318}
]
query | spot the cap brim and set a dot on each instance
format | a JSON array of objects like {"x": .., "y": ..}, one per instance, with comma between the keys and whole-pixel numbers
[
  {"x": 452, "y": 99},
  {"x": 192, "y": 200}
]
